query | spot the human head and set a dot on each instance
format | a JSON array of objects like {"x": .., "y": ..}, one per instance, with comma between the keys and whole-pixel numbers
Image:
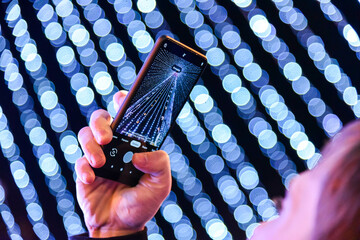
[
  {"x": 323, "y": 203},
  {"x": 338, "y": 214}
]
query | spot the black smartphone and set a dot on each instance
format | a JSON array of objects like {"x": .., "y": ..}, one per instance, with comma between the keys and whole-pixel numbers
[{"x": 151, "y": 107}]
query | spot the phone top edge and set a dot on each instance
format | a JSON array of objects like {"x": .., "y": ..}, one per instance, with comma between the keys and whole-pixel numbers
[{"x": 166, "y": 37}]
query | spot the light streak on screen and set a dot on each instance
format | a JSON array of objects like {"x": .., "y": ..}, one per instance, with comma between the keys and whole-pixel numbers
[{"x": 281, "y": 79}]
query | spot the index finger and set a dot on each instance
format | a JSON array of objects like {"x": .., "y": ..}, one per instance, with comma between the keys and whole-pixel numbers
[{"x": 119, "y": 98}]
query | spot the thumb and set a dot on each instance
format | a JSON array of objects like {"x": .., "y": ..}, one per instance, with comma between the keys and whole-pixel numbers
[{"x": 154, "y": 163}]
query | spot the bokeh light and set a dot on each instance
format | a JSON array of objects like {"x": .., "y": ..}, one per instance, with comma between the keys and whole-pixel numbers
[{"x": 264, "y": 99}]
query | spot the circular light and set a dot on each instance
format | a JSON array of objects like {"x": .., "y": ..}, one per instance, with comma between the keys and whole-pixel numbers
[
  {"x": 332, "y": 73},
  {"x": 122, "y": 6},
  {"x": 35, "y": 64},
  {"x": 102, "y": 81},
  {"x": 65, "y": 55},
  {"x": 20, "y": 28},
  {"x": 260, "y": 26},
  {"x": 351, "y": 36},
  {"x": 45, "y": 13},
  {"x": 80, "y": 37},
  {"x": 198, "y": 90},
  {"x": 53, "y": 31},
  {"x": 28, "y": 52},
  {"x": 214, "y": 164},
  {"x": 305, "y": 150},
  {"x": 331, "y": 124},
  {"x": 292, "y": 71},
  {"x": 216, "y": 229},
  {"x": 221, "y": 133},
  {"x": 37, "y": 136},
  {"x": 350, "y": 96},
  {"x": 252, "y": 72},
  {"x": 85, "y": 96},
  {"x": 231, "y": 39},
  {"x": 297, "y": 138},
  {"x": 215, "y": 56},
  {"x": 248, "y": 177},
  {"x": 243, "y": 57},
  {"x": 267, "y": 139},
  {"x": 204, "y": 103},
  {"x": 14, "y": 13},
  {"x": 316, "y": 107},
  {"x": 146, "y": 6},
  {"x": 231, "y": 83},
  {"x": 243, "y": 214},
  {"x": 64, "y": 8},
  {"x": 6, "y": 139},
  {"x": 49, "y": 100},
  {"x": 241, "y": 97},
  {"x": 172, "y": 213},
  {"x": 250, "y": 229},
  {"x": 242, "y": 3},
  {"x": 154, "y": 19},
  {"x": 217, "y": 14},
  {"x": 115, "y": 51},
  {"x": 41, "y": 230},
  {"x": 141, "y": 39},
  {"x": 204, "y": 39},
  {"x": 92, "y": 12},
  {"x": 102, "y": 27},
  {"x": 194, "y": 19}
]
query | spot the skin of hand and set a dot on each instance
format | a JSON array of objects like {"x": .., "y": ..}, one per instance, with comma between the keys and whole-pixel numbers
[{"x": 111, "y": 208}]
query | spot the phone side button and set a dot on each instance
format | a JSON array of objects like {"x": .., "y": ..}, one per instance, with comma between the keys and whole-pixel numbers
[{"x": 134, "y": 143}]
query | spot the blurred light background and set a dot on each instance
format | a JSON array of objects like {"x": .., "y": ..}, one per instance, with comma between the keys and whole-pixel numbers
[{"x": 282, "y": 78}]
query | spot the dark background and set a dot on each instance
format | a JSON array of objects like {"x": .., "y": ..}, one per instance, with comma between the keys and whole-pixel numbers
[{"x": 336, "y": 46}]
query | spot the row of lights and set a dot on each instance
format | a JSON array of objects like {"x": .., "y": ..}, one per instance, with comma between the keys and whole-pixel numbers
[
  {"x": 13, "y": 228},
  {"x": 85, "y": 47},
  {"x": 22, "y": 180},
  {"x": 292, "y": 71},
  {"x": 240, "y": 95},
  {"x": 192, "y": 187},
  {"x": 214, "y": 164},
  {"x": 244, "y": 59},
  {"x": 327, "y": 66},
  {"x": 333, "y": 14},
  {"x": 48, "y": 99}
]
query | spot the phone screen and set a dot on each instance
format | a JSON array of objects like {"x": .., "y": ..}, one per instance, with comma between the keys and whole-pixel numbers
[
  {"x": 161, "y": 95},
  {"x": 152, "y": 106}
]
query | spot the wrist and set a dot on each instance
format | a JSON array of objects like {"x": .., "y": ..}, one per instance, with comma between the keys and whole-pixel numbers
[{"x": 106, "y": 233}]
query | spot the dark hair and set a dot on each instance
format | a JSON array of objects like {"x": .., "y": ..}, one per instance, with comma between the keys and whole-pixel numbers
[{"x": 338, "y": 215}]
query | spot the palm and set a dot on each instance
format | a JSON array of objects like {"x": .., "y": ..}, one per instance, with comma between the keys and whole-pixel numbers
[{"x": 114, "y": 205}]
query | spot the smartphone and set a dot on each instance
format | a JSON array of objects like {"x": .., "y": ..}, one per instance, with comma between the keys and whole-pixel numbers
[{"x": 151, "y": 107}]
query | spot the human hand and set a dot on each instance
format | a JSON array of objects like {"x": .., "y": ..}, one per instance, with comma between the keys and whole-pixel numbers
[{"x": 111, "y": 208}]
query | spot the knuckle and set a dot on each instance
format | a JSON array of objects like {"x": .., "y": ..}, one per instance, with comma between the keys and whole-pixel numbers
[
  {"x": 87, "y": 146},
  {"x": 104, "y": 138}
]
